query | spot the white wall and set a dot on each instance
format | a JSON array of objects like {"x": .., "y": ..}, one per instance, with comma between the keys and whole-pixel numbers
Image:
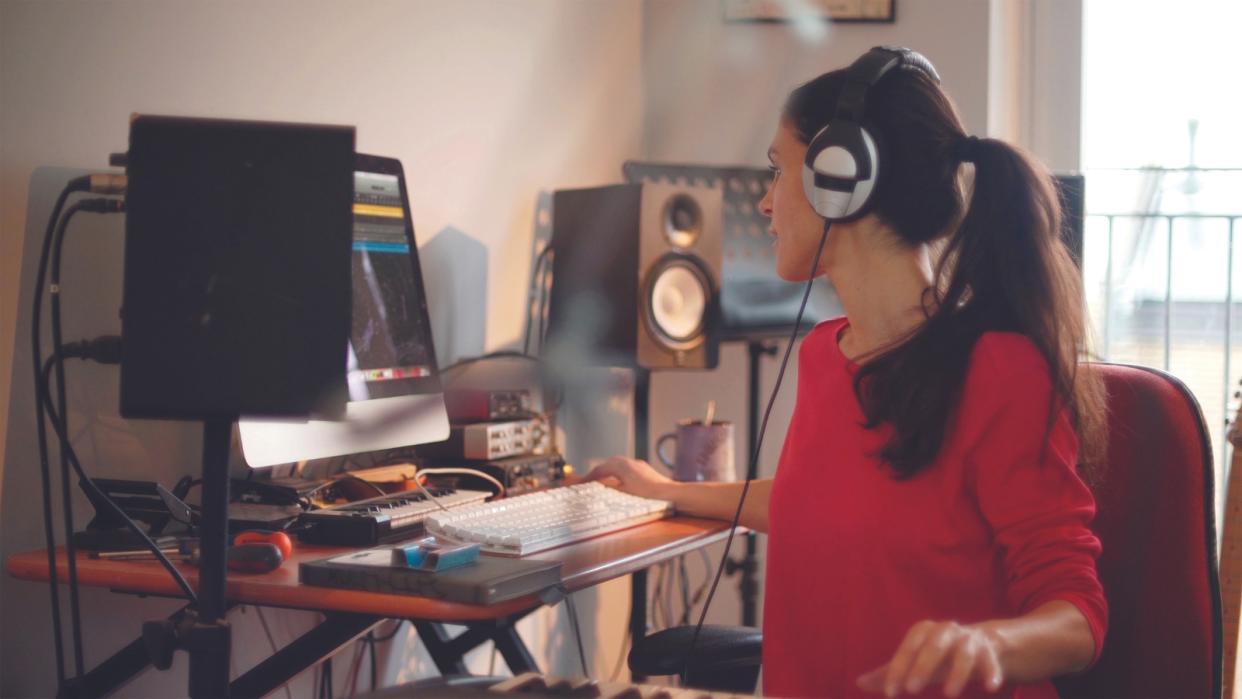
[
  {"x": 487, "y": 104},
  {"x": 715, "y": 89}
]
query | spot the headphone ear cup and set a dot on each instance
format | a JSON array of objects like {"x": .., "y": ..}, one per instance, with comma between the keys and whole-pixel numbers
[{"x": 840, "y": 170}]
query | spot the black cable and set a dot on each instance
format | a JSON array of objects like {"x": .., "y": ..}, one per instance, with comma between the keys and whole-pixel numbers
[
  {"x": 374, "y": 662},
  {"x": 86, "y": 482},
  {"x": 98, "y": 205},
  {"x": 685, "y": 590},
  {"x": 533, "y": 296},
  {"x": 499, "y": 354},
  {"x": 75, "y": 624},
  {"x": 669, "y": 586},
  {"x": 544, "y": 284},
  {"x": 573, "y": 620},
  {"x": 327, "y": 687},
  {"x": 707, "y": 573},
  {"x": 656, "y": 609},
  {"x": 77, "y": 184},
  {"x": 391, "y": 635},
  {"x": 754, "y": 457}
]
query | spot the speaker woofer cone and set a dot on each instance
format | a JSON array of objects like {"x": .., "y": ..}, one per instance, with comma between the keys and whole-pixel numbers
[{"x": 678, "y": 295}]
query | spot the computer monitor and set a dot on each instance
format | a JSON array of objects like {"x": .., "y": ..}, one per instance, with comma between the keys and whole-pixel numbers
[{"x": 395, "y": 398}]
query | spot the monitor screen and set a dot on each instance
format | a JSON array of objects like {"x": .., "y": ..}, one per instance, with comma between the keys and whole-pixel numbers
[{"x": 395, "y": 398}]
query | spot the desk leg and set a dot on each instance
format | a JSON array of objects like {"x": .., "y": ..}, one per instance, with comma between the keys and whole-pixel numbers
[
  {"x": 439, "y": 645},
  {"x": 447, "y": 652},
  {"x": 306, "y": 651},
  {"x": 638, "y": 611},
  {"x": 513, "y": 650}
]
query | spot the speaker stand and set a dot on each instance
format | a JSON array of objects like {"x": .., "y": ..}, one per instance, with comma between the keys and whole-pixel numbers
[
  {"x": 638, "y": 580},
  {"x": 202, "y": 629},
  {"x": 747, "y": 568}
]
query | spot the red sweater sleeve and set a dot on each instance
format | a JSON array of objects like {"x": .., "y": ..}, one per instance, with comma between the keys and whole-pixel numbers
[{"x": 1025, "y": 481}]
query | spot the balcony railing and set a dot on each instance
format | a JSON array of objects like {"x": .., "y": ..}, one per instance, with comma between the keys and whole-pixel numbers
[{"x": 1160, "y": 276}]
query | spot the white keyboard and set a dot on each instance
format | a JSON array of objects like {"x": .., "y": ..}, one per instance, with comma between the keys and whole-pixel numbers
[{"x": 524, "y": 524}]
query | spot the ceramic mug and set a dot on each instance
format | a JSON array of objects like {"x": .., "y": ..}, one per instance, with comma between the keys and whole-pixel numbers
[{"x": 702, "y": 452}]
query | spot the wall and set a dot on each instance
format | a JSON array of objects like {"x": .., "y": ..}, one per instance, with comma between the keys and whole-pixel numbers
[{"x": 486, "y": 103}]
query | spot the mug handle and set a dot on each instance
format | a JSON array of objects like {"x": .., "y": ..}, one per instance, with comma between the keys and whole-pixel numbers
[{"x": 660, "y": 449}]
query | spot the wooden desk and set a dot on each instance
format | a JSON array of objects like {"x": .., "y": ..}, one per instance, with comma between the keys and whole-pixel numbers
[{"x": 352, "y": 613}]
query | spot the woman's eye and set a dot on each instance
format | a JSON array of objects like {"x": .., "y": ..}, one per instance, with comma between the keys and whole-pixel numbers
[{"x": 774, "y": 170}]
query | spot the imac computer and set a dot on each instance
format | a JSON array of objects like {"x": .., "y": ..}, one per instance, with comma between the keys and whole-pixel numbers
[{"x": 395, "y": 398}]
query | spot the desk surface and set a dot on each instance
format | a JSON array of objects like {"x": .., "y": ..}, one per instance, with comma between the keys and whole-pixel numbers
[{"x": 584, "y": 564}]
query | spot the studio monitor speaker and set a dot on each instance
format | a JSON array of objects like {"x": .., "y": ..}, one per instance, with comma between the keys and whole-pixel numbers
[
  {"x": 636, "y": 275},
  {"x": 237, "y": 277}
]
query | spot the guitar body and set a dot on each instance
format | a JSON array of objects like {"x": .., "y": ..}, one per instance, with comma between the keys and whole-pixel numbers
[{"x": 1231, "y": 559}]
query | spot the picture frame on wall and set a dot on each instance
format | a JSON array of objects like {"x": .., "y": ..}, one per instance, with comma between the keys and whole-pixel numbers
[{"x": 790, "y": 10}]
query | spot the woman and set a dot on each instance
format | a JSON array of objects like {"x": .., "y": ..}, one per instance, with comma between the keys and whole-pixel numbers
[{"x": 928, "y": 525}]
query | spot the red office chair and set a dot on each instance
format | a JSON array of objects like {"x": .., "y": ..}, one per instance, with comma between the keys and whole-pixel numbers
[{"x": 1156, "y": 522}]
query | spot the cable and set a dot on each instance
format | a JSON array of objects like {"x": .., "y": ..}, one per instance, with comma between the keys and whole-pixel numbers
[
  {"x": 75, "y": 624},
  {"x": 573, "y": 620},
  {"x": 754, "y": 457},
  {"x": 500, "y": 487},
  {"x": 323, "y": 673},
  {"x": 655, "y": 599},
  {"x": 77, "y": 184},
  {"x": 392, "y": 634},
  {"x": 533, "y": 296},
  {"x": 544, "y": 285},
  {"x": 499, "y": 354},
  {"x": 666, "y": 598},
  {"x": 89, "y": 484},
  {"x": 685, "y": 590},
  {"x": 355, "y": 668},
  {"x": 707, "y": 573},
  {"x": 96, "y": 205},
  {"x": 625, "y": 644},
  {"x": 374, "y": 661}
]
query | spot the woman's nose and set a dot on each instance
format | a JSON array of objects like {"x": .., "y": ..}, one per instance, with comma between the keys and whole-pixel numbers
[{"x": 765, "y": 204}]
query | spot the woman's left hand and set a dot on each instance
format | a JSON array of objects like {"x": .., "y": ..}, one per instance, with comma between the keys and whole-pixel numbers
[{"x": 939, "y": 652}]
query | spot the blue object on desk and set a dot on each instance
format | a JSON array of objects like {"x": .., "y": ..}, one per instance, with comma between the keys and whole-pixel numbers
[{"x": 431, "y": 555}]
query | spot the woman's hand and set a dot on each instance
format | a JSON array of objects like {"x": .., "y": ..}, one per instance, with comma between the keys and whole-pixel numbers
[
  {"x": 633, "y": 476},
  {"x": 939, "y": 652}
]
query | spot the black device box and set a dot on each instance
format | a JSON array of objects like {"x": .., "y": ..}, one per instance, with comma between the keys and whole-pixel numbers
[
  {"x": 237, "y": 268},
  {"x": 488, "y": 580},
  {"x": 480, "y": 405}
]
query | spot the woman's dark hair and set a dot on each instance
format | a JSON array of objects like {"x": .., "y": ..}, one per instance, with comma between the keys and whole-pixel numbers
[{"x": 1002, "y": 267}]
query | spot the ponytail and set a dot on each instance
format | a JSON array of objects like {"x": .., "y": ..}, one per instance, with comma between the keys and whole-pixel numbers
[{"x": 1005, "y": 268}]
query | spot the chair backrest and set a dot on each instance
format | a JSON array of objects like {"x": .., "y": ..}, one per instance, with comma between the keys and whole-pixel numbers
[{"x": 1156, "y": 522}]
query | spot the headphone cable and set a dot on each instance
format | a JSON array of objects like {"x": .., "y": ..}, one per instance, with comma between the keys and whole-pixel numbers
[{"x": 754, "y": 457}]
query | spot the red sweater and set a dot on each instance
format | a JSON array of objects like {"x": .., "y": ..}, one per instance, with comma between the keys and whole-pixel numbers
[{"x": 996, "y": 527}]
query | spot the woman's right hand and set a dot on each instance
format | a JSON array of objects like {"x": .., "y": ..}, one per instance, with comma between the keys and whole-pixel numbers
[{"x": 633, "y": 476}]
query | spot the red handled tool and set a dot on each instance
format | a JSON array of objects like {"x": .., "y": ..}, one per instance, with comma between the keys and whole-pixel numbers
[{"x": 260, "y": 536}]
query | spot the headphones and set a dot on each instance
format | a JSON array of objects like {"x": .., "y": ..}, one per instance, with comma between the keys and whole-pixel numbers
[{"x": 844, "y": 159}]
